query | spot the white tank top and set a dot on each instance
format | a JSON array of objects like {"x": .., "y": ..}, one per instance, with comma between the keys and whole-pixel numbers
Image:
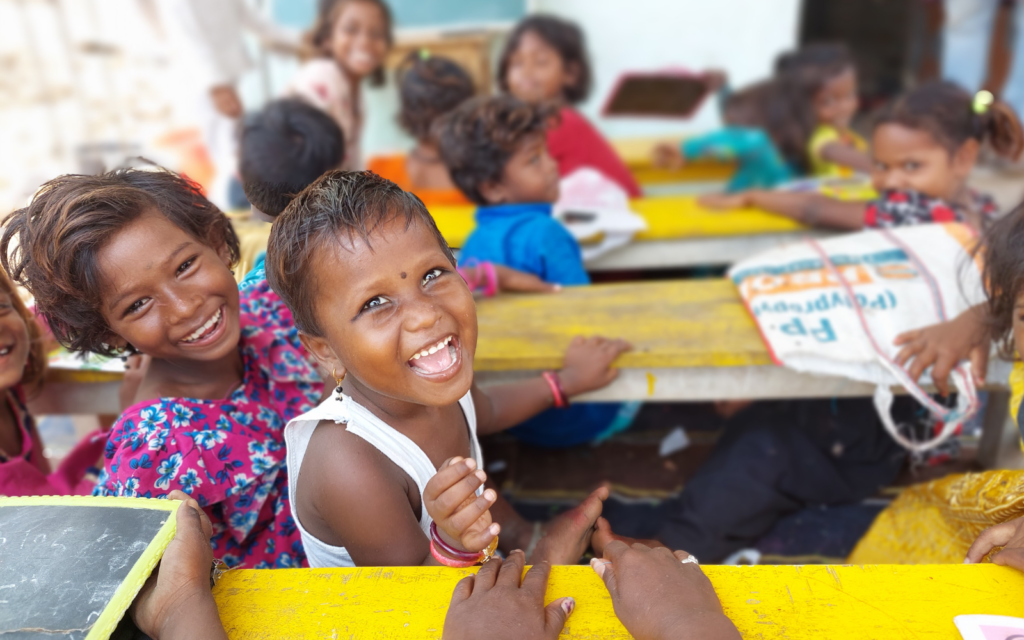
[{"x": 396, "y": 446}]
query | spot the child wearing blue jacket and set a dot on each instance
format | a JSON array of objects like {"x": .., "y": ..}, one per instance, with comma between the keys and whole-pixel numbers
[{"x": 496, "y": 152}]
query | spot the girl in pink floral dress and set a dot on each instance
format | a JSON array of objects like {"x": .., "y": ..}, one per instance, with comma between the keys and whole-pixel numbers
[{"x": 142, "y": 265}]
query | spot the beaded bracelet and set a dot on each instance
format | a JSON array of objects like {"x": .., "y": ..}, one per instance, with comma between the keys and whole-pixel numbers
[{"x": 556, "y": 389}]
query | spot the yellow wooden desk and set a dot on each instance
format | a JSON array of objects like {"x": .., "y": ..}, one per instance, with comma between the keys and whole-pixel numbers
[
  {"x": 693, "y": 340},
  {"x": 680, "y": 233},
  {"x": 637, "y": 154},
  {"x": 766, "y": 602}
]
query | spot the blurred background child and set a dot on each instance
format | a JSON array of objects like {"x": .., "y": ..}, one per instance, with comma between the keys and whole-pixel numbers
[
  {"x": 925, "y": 146},
  {"x": 429, "y": 86},
  {"x": 545, "y": 61},
  {"x": 24, "y": 470},
  {"x": 496, "y": 152},
  {"x": 351, "y": 39}
]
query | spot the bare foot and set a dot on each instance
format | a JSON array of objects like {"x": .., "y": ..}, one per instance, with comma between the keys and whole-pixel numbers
[
  {"x": 568, "y": 535},
  {"x": 604, "y": 534}
]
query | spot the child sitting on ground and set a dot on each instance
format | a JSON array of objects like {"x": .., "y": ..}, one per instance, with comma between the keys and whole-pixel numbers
[
  {"x": 924, "y": 147},
  {"x": 24, "y": 471},
  {"x": 139, "y": 261},
  {"x": 495, "y": 150},
  {"x": 797, "y": 123},
  {"x": 286, "y": 147},
  {"x": 351, "y": 39},
  {"x": 429, "y": 86},
  {"x": 398, "y": 332},
  {"x": 545, "y": 61}
]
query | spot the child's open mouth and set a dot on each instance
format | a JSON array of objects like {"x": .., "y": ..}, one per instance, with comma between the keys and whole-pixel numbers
[
  {"x": 437, "y": 359},
  {"x": 208, "y": 332}
]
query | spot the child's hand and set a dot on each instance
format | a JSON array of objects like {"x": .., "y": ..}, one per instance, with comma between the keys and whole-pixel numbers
[
  {"x": 588, "y": 364},
  {"x": 462, "y": 517},
  {"x": 568, "y": 536},
  {"x": 657, "y": 597},
  {"x": 498, "y": 603},
  {"x": 667, "y": 155},
  {"x": 942, "y": 346},
  {"x": 178, "y": 593},
  {"x": 1008, "y": 535},
  {"x": 513, "y": 280},
  {"x": 604, "y": 536},
  {"x": 725, "y": 201}
]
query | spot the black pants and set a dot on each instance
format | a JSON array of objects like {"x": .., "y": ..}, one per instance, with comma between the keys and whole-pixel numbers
[{"x": 775, "y": 458}]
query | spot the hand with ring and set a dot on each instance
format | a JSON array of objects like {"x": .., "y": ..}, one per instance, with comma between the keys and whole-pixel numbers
[{"x": 659, "y": 594}]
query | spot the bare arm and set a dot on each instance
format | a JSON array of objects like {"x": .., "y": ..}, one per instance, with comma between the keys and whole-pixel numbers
[
  {"x": 812, "y": 209},
  {"x": 587, "y": 367},
  {"x": 350, "y": 494},
  {"x": 847, "y": 156}
]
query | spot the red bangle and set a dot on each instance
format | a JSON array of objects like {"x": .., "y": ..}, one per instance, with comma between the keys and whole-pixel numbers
[
  {"x": 449, "y": 550},
  {"x": 449, "y": 562},
  {"x": 556, "y": 389}
]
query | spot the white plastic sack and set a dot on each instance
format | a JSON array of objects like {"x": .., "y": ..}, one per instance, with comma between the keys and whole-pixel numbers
[
  {"x": 590, "y": 206},
  {"x": 835, "y": 306}
]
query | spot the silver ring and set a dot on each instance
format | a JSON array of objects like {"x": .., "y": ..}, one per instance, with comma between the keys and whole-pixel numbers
[{"x": 689, "y": 560}]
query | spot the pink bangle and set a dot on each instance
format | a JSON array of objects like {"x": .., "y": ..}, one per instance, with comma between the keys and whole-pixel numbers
[
  {"x": 492, "y": 279},
  {"x": 556, "y": 389},
  {"x": 449, "y": 550},
  {"x": 449, "y": 562}
]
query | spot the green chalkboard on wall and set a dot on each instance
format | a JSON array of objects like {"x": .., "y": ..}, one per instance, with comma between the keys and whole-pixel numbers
[{"x": 415, "y": 13}]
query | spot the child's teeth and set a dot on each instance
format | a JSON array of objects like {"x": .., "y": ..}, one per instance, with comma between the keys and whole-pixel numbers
[
  {"x": 432, "y": 350},
  {"x": 424, "y": 354},
  {"x": 416, "y": 357}
]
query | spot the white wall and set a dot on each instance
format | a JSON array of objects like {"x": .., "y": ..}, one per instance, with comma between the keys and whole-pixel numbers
[{"x": 742, "y": 37}]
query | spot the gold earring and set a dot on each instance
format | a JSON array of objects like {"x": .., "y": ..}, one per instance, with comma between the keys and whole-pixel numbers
[{"x": 337, "y": 380}]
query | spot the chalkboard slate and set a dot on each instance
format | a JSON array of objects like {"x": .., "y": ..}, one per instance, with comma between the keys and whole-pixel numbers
[
  {"x": 670, "y": 95},
  {"x": 69, "y": 569}
]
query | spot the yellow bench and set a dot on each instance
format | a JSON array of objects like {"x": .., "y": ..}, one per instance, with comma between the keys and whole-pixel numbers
[
  {"x": 765, "y": 602},
  {"x": 680, "y": 233},
  {"x": 693, "y": 340}
]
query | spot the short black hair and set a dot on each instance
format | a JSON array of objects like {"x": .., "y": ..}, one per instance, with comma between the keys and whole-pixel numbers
[
  {"x": 430, "y": 86},
  {"x": 339, "y": 202},
  {"x": 284, "y": 148},
  {"x": 564, "y": 37},
  {"x": 478, "y": 138}
]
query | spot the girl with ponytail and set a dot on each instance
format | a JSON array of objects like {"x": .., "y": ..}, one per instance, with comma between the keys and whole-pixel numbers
[{"x": 924, "y": 147}]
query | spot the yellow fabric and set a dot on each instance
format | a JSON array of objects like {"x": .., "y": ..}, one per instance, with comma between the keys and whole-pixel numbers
[
  {"x": 1016, "y": 389},
  {"x": 826, "y": 134},
  {"x": 252, "y": 241},
  {"x": 764, "y": 602},
  {"x": 936, "y": 522}
]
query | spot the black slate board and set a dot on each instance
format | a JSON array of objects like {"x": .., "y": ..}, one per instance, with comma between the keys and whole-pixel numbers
[
  {"x": 667, "y": 95},
  {"x": 60, "y": 566}
]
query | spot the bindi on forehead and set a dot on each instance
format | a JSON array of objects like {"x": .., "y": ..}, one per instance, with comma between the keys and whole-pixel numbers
[{"x": 404, "y": 275}]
